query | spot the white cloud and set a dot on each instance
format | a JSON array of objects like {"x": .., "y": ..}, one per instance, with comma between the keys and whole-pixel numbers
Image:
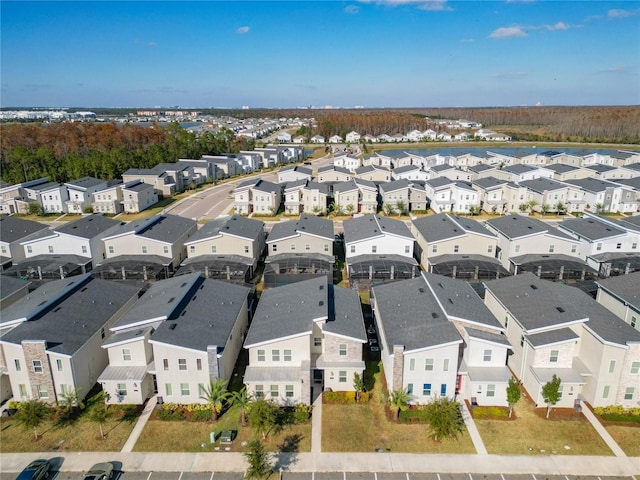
[
  {"x": 558, "y": 26},
  {"x": 467, "y": 40},
  {"x": 352, "y": 9},
  {"x": 619, "y": 13},
  {"x": 242, "y": 30},
  {"x": 429, "y": 5},
  {"x": 508, "y": 32}
]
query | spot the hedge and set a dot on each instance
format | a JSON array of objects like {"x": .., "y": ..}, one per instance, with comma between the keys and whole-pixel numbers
[{"x": 344, "y": 398}]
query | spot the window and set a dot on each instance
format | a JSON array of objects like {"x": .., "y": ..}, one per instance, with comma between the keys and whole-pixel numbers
[
  {"x": 165, "y": 249},
  {"x": 410, "y": 388},
  {"x": 121, "y": 389},
  {"x": 598, "y": 246},
  {"x": 412, "y": 364},
  {"x": 443, "y": 389},
  {"x": 287, "y": 355},
  {"x": 553, "y": 356},
  {"x": 165, "y": 364},
  {"x": 605, "y": 391},
  {"x": 353, "y": 249},
  {"x": 23, "y": 390},
  {"x": 517, "y": 249},
  {"x": 428, "y": 364},
  {"x": 612, "y": 366},
  {"x": 126, "y": 354},
  {"x": 628, "y": 393},
  {"x": 374, "y": 249},
  {"x": 59, "y": 364},
  {"x": 214, "y": 249},
  {"x": 491, "y": 390},
  {"x": 168, "y": 389},
  {"x": 274, "y": 391},
  {"x": 551, "y": 248},
  {"x": 261, "y": 356},
  {"x": 43, "y": 391},
  {"x": 456, "y": 248},
  {"x": 192, "y": 249},
  {"x": 37, "y": 366},
  {"x": 274, "y": 248},
  {"x": 434, "y": 248},
  {"x": 259, "y": 391},
  {"x": 445, "y": 365},
  {"x": 618, "y": 246},
  {"x": 426, "y": 389},
  {"x": 182, "y": 364},
  {"x": 3, "y": 249},
  {"x": 202, "y": 392},
  {"x": 326, "y": 247},
  {"x": 184, "y": 389},
  {"x": 317, "y": 341},
  {"x": 560, "y": 390},
  {"x": 506, "y": 322},
  {"x": 293, "y": 247},
  {"x": 489, "y": 248},
  {"x": 574, "y": 248},
  {"x": 634, "y": 245},
  {"x": 275, "y": 355},
  {"x": 486, "y": 356},
  {"x": 29, "y": 249},
  {"x": 342, "y": 376},
  {"x": 288, "y": 391},
  {"x": 16, "y": 362},
  {"x": 407, "y": 249},
  {"x": 635, "y": 368},
  {"x": 307, "y": 246},
  {"x": 50, "y": 248},
  {"x": 342, "y": 349},
  {"x": 634, "y": 320},
  {"x": 246, "y": 249},
  {"x": 84, "y": 249},
  {"x": 198, "y": 364},
  {"x": 111, "y": 249}
]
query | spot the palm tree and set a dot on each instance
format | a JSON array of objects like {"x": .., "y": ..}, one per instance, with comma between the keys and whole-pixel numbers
[
  {"x": 532, "y": 205},
  {"x": 545, "y": 208},
  {"x": 399, "y": 401},
  {"x": 338, "y": 209},
  {"x": 216, "y": 394},
  {"x": 388, "y": 209},
  {"x": 350, "y": 209},
  {"x": 400, "y": 207},
  {"x": 242, "y": 399}
]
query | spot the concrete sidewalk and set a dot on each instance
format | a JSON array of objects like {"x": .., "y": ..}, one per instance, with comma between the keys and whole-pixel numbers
[
  {"x": 472, "y": 429},
  {"x": 341, "y": 462},
  {"x": 142, "y": 421},
  {"x": 608, "y": 439}
]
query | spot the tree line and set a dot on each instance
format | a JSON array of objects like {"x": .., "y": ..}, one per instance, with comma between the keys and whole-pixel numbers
[{"x": 67, "y": 151}]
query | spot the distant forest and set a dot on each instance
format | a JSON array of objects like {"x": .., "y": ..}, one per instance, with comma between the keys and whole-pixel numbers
[{"x": 67, "y": 151}]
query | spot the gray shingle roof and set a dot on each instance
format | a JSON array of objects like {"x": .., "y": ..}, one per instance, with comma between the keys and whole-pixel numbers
[
  {"x": 333, "y": 168},
  {"x": 441, "y": 168},
  {"x": 561, "y": 167},
  {"x": 208, "y": 317},
  {"x": 590, "y": 228},
  {"x": 560, "y": 335},
  {"x": 439, "y": 182},
  {"x": 268, "y": 187},
  {"x": 625, "y": 287},
  {"x": 345, "y": 186},
  {"x": 443, "y": 226},
  {"x": 165, "y": 228},
  {"x": 592, "y": 184},
  {"x": 75, "y": 319},
  {"x": 406, "y": 168},
  {"x": 540, "y": 304},
  {"x": 394, "y": 185},
  {"x": 306, "y": 224},
  {"x": 481, "y": 167},
  {"x": 237, "y": 225},
  {"x": 488, "y": 336},
  {"x": 410, "y": 315},
  {"x": 85, "y": 182},
  {"x": 541, "y": 185},
  {"x": 11, "y": 285},
  {"x": 346, "y": 318},
  {"x": 321, "y": 187},
  {"x": 13, "y": 228},
  {"x": 137, "y": 186},
  {"x": 88, "y": 227},
  {"x": 371, "y": 226},
  {"x": 489, "y": 182},
  {"x": 519, "y": 168},
  {"x": 516, "y": 226},
  {"x": 601, "y": 168},
  {"x": 126, "y": 336}
]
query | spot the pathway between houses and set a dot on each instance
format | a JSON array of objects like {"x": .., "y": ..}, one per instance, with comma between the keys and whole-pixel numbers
[
  {"x": 140, "y": 424},
  {"x": 611, "y": 443}
]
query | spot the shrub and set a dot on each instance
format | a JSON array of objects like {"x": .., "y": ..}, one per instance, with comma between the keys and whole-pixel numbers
[
  {"x": 301, "y": 413},
  {"x": 340, "y": 398},
  {"x": 170, "y": 415},
  {"x": 414, "y": 414},
  {"x": 617, "y": 413},
  {"x": 490, "y": 412},
  {"x": 202, "y": 415}
]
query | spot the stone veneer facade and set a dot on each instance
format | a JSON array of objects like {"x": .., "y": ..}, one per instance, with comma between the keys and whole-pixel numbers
[
  {"x": 398, "y": 366},
  {"x": 36, "y": 350}
]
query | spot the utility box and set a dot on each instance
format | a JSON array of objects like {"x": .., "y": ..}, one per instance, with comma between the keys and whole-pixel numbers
[{"x": 212, "y": 437}]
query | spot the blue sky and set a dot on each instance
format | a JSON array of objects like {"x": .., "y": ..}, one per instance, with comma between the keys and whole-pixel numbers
[{"x": 386, "y": 53}]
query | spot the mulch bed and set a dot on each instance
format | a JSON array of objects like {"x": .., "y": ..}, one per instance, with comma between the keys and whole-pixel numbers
[{"x": 560, "y": 414}]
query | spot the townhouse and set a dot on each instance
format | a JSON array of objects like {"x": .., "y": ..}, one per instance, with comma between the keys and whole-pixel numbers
[
  {"x": 409, "y": 172},
  {"x": 13, "y": 231},
  {"x": 109, "y": 199},
  {"x": 520, "y": 172},
  {"x": 608, "y": 172},
  {"x": 377, "y": 159},
  {"x": 466, "y": 160},
  {"x": 50, "y": 343},
  {"x": 137, "y": 196},
  {"x": 423, "y": 324},
  {"x": 181, "y": 334},
  {"x": 450, "y": 195},
  {"x": 450, "y": 172},
  {"x": 333, "y": 174},
  {"x": 163, "y": 185},
  {"x": 314, "y": 197},
  {"x": 51, "y": 196},
  {"x": 549, "y": 195},
  {"x": 395, "y": 196},
  {"x": 221, "y": 244},
  {"x": 224, "y": 166},
  {"x": 356, "y": 196},
  {"x": 605, "y": 196},
  {"x": 257, "y": 196},
  {"x": 373, "y": 173},
  {"x": 557, "y": 329},
  {"x": 481, "y": 170},
  {"x": 349, "y": 162},
  {"x": 621, "y": 296},
  {"x": 81, "y": 193},
  {"x": 294, "y": 173},
  {"x": 292, "y": 193},
  {"x": 491, "y": 194},
  {"x": 304, "y": 338},
  {"x": 563, "y": 172},
  {"x": 417, "y": 197}
]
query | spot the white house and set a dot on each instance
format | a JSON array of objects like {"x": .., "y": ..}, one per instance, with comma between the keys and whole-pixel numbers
[{"x": 81, "y": 193}]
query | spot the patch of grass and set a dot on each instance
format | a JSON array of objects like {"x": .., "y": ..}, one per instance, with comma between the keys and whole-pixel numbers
[
  {"x": 183, "y": 436},
  {"x": 490, "y": 412},
  {"x": 365, "y": 427},
  {"x": 530, "y": 433},
  {"x": 149, "y": 212},
  {"x": 627, "y": 438}
]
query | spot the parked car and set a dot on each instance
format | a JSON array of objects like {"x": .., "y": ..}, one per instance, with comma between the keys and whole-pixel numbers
[
  {"x": 100, "y": 471},
  {"x": 36, "y": 470}
]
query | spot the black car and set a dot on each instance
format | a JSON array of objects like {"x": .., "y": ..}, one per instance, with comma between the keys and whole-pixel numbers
[{"x": 36, "y": 470}]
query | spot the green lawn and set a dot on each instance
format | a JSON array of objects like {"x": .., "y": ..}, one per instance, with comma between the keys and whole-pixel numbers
[
  {"x": 627, "y": 438},
  {"x": 365, "y": 427}
]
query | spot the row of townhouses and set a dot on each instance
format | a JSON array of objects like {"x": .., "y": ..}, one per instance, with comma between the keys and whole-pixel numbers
[{"x": 416, "y": 136}]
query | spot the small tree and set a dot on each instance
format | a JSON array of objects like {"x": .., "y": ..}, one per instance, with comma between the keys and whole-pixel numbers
[
  {"x": 31, "y": 414},
  {"x": 444, "y": 417},
  {"x": 399, "y": 401},
  {"x": 34, "y": 208},
  {"x": 561, "y": 208},
  {"x": 532, "y": 204},
  {"x": 242, "y": 400},
  {"x": 513, "y": 394},
  {"x": 216, "y": 394},
  {"x": 258, "y": 460},
  {"x": 551, "y": 392},
  {"x": 400, "y": 207},
  {"x": 263, "y": 416},
  {"x": 338, "y": 209},
  {"x": 350, "y": 209},
  {"x": 98, "y": 414},
  {"x": 599, "y": 207},
  {"x": 388, "y": 209},
  {"x": 358, "y": 385},
  {"x": 523, "y": 207},
  {"x": 546, "y": 208}
]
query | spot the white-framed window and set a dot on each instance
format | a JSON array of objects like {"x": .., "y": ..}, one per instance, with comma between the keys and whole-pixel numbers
[
  {"x": 286, "y": 354},
  {"x": 489, "y": 248},
  {"x": 635, "y": 368},
  {"x": 634, "y": 320},
  {"x": 491, "y": 390},
  {"x": 434, "y": 249},
  {"x": 307, "y": 246},
  {"x": 165, "y": 249},
  {"x": 456, "y": 248},
  {"x": 198, "y": 364},
  {"x": 517, "y": 248},
  {"x": 184, "y": 389},
  {"x": 84, "y": 249},
  {"x": 288, "y": 391},
  {"x": 43, "y": 391},
  {"x": 486, "y": 356},
  {"x": 23, "y": 390},
  {"x": 428, "y": 364},
  {"x": 202, "y": 392},
  {"x": 59, "y": 364},
  {"x": 165, "y": 364},
  {"x": 111, "y": 249},
  {"x": 168, "y": 389},
  {"x": 293, "y": 247},
  {"x": 261, "y": 356},
  {"x": 144, "y": 249},
  {"x": 275, "y": 355},
  {"x": 214, "y": 249},
  {"x": 426, "y": 389},
  {"x": 37, "y": 366},
  {"x": 50, "y": 248},
  {"x": 246, "y": 249},
  {"x": 628, "y": 393},
  {"x": 317, "y": 341},
  {"x": 605, "y": 391},
  {"x": 551, "y": 248},
  {"x": 342, "y": 350},
  {"x": 126, "y": 354},
  {"x": 574, "y": 248},
  {"x": 445, "y": 365},
  {"x": 182, "y": 364},
  {"x": 553, "y": 356},
  {"x": 410, "y": 388},
  {"x": 342, "y": 376},
  {"x": 612, "y": 366},
  {"x": 273, "y": 391},
  {"x": 274, "y": 247},
  {"x": 599, "y": 246},
  {"x": 374, "y": 249},
  {"x": 29, "y": 249},
  {"x": 192, "y": 249},
  {"x": 326, "y": 247},
  {"x": 121, "y": 389},
  {"x": 259, "y": 391},
  {"x": 353, "y": 249},
  {"x": 16, "y": 363},
  {"x": 412, "y": 364}
]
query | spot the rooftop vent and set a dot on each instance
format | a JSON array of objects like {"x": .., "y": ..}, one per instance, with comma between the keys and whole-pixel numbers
[
  {"x": 560, "y": 309},
  {"x": 173, "y": 326},
  {"x": 321, "y": 303},
  {"x": 434, "y": 315},
  {"x": 421, "y": 290},
  {"x": 534, "y": 287}
]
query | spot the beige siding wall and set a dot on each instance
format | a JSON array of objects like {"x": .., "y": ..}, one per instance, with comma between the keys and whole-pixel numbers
[
  {"x": 299, "y": 243},
  {"x": 226, "y": 245}
]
